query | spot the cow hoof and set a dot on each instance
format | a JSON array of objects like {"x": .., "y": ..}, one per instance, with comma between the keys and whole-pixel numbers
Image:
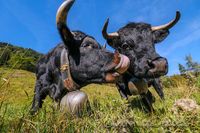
[
  {"x": 32, "y": 112},
  {"x": 75, "y": 103}
]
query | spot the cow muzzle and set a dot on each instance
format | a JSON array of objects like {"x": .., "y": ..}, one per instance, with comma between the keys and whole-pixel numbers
[
  {"x": 158, "y": 67},
  {"x": 119, "y": 66}
]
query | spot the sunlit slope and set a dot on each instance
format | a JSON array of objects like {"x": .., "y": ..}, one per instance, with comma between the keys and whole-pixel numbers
[{"x": 109, "y": 112}]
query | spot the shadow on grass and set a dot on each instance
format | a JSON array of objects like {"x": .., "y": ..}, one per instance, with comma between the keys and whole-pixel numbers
[{"x": 136, "y": 103}]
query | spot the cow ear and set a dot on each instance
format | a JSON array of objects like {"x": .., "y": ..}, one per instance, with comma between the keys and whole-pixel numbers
[{"x": 160, "y": 35}]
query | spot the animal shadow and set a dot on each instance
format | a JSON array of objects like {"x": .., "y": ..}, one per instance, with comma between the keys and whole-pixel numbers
[{"x": 136, "y": 103}]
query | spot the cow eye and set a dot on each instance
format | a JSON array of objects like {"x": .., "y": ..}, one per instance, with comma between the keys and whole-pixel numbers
[
  {"x": 125, "y": 46},
  {"x": 87, "y": 45}
]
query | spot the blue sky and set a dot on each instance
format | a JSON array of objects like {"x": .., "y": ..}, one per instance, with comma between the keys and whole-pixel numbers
[{"x": 31, "y": 24}]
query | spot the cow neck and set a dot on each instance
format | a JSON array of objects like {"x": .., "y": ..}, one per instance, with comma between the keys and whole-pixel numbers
[{"x": 68, "y": 81}]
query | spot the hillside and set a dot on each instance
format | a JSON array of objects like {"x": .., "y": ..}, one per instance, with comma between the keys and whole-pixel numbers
[
  {"x": 109, "y": 112},
  {"x": 17, "y": 57}
]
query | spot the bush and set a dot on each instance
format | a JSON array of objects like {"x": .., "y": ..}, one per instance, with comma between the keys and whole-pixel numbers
[
  {"x": 198, "y": 82},
  {"x": 4, "y": 56},
  {"x": 17, "y": 57},
  {"x": 174, "y": 81}
]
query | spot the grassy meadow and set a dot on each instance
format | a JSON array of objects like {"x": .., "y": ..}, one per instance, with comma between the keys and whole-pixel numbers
[{"x": 109, "y": 113}]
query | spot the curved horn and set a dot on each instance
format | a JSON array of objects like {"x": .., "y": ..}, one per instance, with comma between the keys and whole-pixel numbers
[
  {"x": 104, "y": 46},
  {"x": 108, "y": 35},
  {"x": 168, "y": 25},
  {"x": 61, "y": 20}
]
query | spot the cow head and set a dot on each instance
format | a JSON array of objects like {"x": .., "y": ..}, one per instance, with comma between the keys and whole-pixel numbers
[
  {"x": 89, "y": 63},
  {"x": 137, "y": 41}
]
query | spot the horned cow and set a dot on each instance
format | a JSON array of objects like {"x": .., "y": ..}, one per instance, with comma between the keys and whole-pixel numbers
[
  {"x": 75, "y": 63},
  {"x": 137, "y": 41}
]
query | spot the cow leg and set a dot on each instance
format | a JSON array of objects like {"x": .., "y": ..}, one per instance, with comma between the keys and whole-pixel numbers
[
  {"x": 121, "y": 87},
  {"x": 39, "y": 96},
  {"x": 158, "y": 87},
  {"x": 147, "y": 100},
  {"x": 60, "y": 91},
  {"x": 142, "y": 88}
]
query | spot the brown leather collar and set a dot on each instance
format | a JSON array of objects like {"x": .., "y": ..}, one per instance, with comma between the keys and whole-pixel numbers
[{"x": 68, "y": 81}]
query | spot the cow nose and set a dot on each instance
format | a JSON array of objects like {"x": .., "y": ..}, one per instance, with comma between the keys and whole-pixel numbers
[{"x": 159, "y": 66}]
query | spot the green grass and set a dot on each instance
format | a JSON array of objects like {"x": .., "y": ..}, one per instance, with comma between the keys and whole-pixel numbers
[{"x": 109, "y": 112}]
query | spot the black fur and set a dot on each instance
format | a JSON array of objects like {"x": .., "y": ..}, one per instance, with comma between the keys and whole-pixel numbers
[
  {"x": 137, "y": 41},
  {"x": 86, "y": 60},
  {"x": 88, "y": 64}
]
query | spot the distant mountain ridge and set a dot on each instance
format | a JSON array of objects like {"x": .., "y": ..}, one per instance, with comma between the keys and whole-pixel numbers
[{"x": 18, "y": 57}]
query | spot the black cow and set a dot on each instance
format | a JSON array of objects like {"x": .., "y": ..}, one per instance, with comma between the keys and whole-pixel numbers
[
  {"x": 74, "y": 64},
  {"x": 137, "y": 41}
]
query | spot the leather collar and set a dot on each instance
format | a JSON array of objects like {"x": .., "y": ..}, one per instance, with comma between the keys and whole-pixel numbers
[{"x": 68, "y": 81}]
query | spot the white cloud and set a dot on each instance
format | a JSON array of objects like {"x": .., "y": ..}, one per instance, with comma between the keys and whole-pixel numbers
[{"x": 183, "y": 41}]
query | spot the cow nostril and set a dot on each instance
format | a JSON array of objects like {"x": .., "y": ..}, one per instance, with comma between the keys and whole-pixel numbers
[
  {"x": 158, "y": 67},
  {"x": 151, "y": 64}
]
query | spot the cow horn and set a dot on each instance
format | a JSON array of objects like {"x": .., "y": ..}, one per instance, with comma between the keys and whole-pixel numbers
[
  {"x": 61, "y": 17},
  {"x": 168, "y": 25},
  {"x": 104, "y": 46},
  {"x": 108, "y": 35}
]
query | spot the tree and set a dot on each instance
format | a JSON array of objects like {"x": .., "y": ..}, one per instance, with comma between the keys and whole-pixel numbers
[
  {"x": 18, "y": 57},
  {"x": 190, "y": 63},
  {"x": 182, "y": 69},
  {"x": 191, "y": 66},
  {"x": 4, "y": 56}
]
